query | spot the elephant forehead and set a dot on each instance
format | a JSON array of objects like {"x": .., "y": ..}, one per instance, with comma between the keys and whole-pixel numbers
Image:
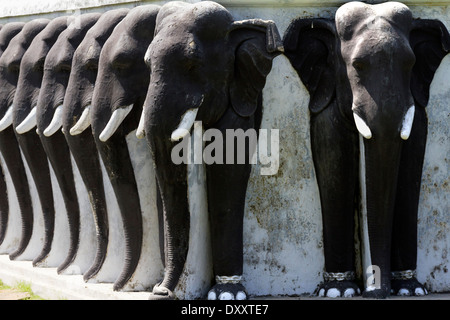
[
  {"x": 205, "y": 19},
  {"x": 355, "y": 17}
]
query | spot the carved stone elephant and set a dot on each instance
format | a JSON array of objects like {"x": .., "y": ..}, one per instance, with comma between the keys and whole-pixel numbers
[
  {"x": 368, "y": 73},
  {"x": 10, "y": 62},
  {"x": 205, "y": 66},
  {"x": 76, "y": 107},
  {"x": 13, "y": 161},
  {"x": 119, "y": 92}
]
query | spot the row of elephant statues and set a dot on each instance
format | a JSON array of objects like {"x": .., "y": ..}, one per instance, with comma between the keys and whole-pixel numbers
[{"x": 77, "y": 86}]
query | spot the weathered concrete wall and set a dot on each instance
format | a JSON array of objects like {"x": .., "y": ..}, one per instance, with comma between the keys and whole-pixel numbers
[{"x": 283, "y": 228}]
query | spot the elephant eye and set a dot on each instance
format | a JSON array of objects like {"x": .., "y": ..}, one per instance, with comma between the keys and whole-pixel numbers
[
  {"x": 65, "y": 67},
  {"x": 91, "y": 65},
  {"x": 14, "y": 68},
  {"x": 39, "y": 65},
  {"x": 359, "y": 65},
  {"x": 121, "y": 65}
]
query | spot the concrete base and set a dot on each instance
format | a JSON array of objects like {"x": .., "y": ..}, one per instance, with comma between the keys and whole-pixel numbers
[{"x": 47, "y": 283}]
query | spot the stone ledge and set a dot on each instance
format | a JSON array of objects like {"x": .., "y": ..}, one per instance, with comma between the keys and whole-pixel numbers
[
  {"x": 10, "y": 8},
  {"x": 46, "y": 283}
]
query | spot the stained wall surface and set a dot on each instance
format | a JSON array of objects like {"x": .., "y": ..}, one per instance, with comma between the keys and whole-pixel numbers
[{"x": 283, "y": 249}]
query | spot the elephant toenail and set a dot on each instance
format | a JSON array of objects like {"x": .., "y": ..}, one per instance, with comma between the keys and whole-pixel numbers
[
  {"x": 419, "y": 292},
  {"x": 350, "y": 292},
  {"x": 241, "y": 295},
  {"x": 403, "y": 292},
  {"x": 212, "y": 295},
  {"x": 333, "y": 293},
  {"x": 226, "y": 296},
  {"x": 322, "y": 293}
]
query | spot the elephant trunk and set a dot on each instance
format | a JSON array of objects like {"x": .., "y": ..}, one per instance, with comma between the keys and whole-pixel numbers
[
  {"x": 85, "y": 154},
  {"x": 167, "y": 123},
  {"x": 11, "y": 154},
  {"x": 172, "y": 184},
  {"x": 116, "y": 158},
  {"x": 381, "y": 170}
]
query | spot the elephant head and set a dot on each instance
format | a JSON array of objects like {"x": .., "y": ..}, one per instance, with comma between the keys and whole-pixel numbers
[
  {"x": 47, "y": 118},
  {"x": 10, "y": 62},
  {"x": 204, "y": 66},
  {"x": 77, "y": 106},
  {"x": 369, "y": 72},
  {"x": 7, "y": 32},
  {"x": 119, "y": 92},
  {"x": 10, "y": 66},
  {"x": 58, "y": 64},
  {"x": 27, "y": 91}
]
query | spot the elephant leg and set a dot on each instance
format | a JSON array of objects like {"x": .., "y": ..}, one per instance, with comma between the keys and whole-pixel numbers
[
  {"x": 227, "y": 186},
  {"x": 58, "y": 153},
  {"x": 10, "y": 150},
  {"x": 404, "y": 236},
  {"x": 118, "y": 165},
  {"x": 38, "y": 163},
  {"x": 335, "y": 154},
  {"x": 85, "y": 153},
  {"x": 4, "y": 206}
]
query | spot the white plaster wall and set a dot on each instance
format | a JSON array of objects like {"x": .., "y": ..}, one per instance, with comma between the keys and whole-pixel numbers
[{"x": 283, "y": 228}]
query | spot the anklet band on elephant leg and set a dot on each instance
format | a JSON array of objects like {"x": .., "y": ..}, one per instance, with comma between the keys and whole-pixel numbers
[
  {"x": 403, "y": 275},
  {"x": 339, "y": 276},
  {"x": 228, "y": 279}
]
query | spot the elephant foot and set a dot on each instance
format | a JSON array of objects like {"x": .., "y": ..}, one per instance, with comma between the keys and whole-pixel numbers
[
  {"x": 405, "y": 283},
  {"x": 339, "y": 284},
  {"x": 335, "y": 289},
  {"x": 227, "y": 288},
  {"x": 161, "y": 293}
]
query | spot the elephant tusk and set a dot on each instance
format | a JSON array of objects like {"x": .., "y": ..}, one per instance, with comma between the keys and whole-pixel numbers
[
  {"x": 7, "y": 119},
  {"x": 114, "y": 122},
  {"x": 140, "y": 132},
  {"x": 56, "y": 122},
  {"x": 29, "y": 122},
  {"x": 407, "y": 123},
  {"x": 83, "y": 123},
  {"x": 362, "y": 127},
  {"x": 185, "y": 125}
]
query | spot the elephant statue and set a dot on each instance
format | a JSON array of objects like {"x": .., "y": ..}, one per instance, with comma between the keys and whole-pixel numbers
[
  {"x": 48, "y": 104},
  {"x": 368, "y": 74},
  {"x": 10, "y": 62},
  {"x": 119, "y": 93},
  {"x": 25, "y": 101},
  {"x": 208, "y": 67},
  {"x": 76, "y": 106},
  {"x": 11, "y": 157}
]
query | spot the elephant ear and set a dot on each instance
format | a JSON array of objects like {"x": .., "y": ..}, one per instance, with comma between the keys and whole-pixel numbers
[
  {"x": 257, "y": 43},
  {"x": 430, "y": 41},
  {"x": 310, "y": 47}
]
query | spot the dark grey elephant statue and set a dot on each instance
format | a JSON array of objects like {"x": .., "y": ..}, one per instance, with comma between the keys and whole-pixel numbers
[
  {"x": 11, "y": 155},
  {"x": 10, "y": 62},
  {"x": 57, "y": 68},
  {"x": 208, "y": 67},
  {"x": 76, "y": 109},
  {"x": 51, "y": 47},
  {"x": 368, "y": 73},
  {"x": 119, "y": 93},
  {"x": 26, "y": 96}
]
